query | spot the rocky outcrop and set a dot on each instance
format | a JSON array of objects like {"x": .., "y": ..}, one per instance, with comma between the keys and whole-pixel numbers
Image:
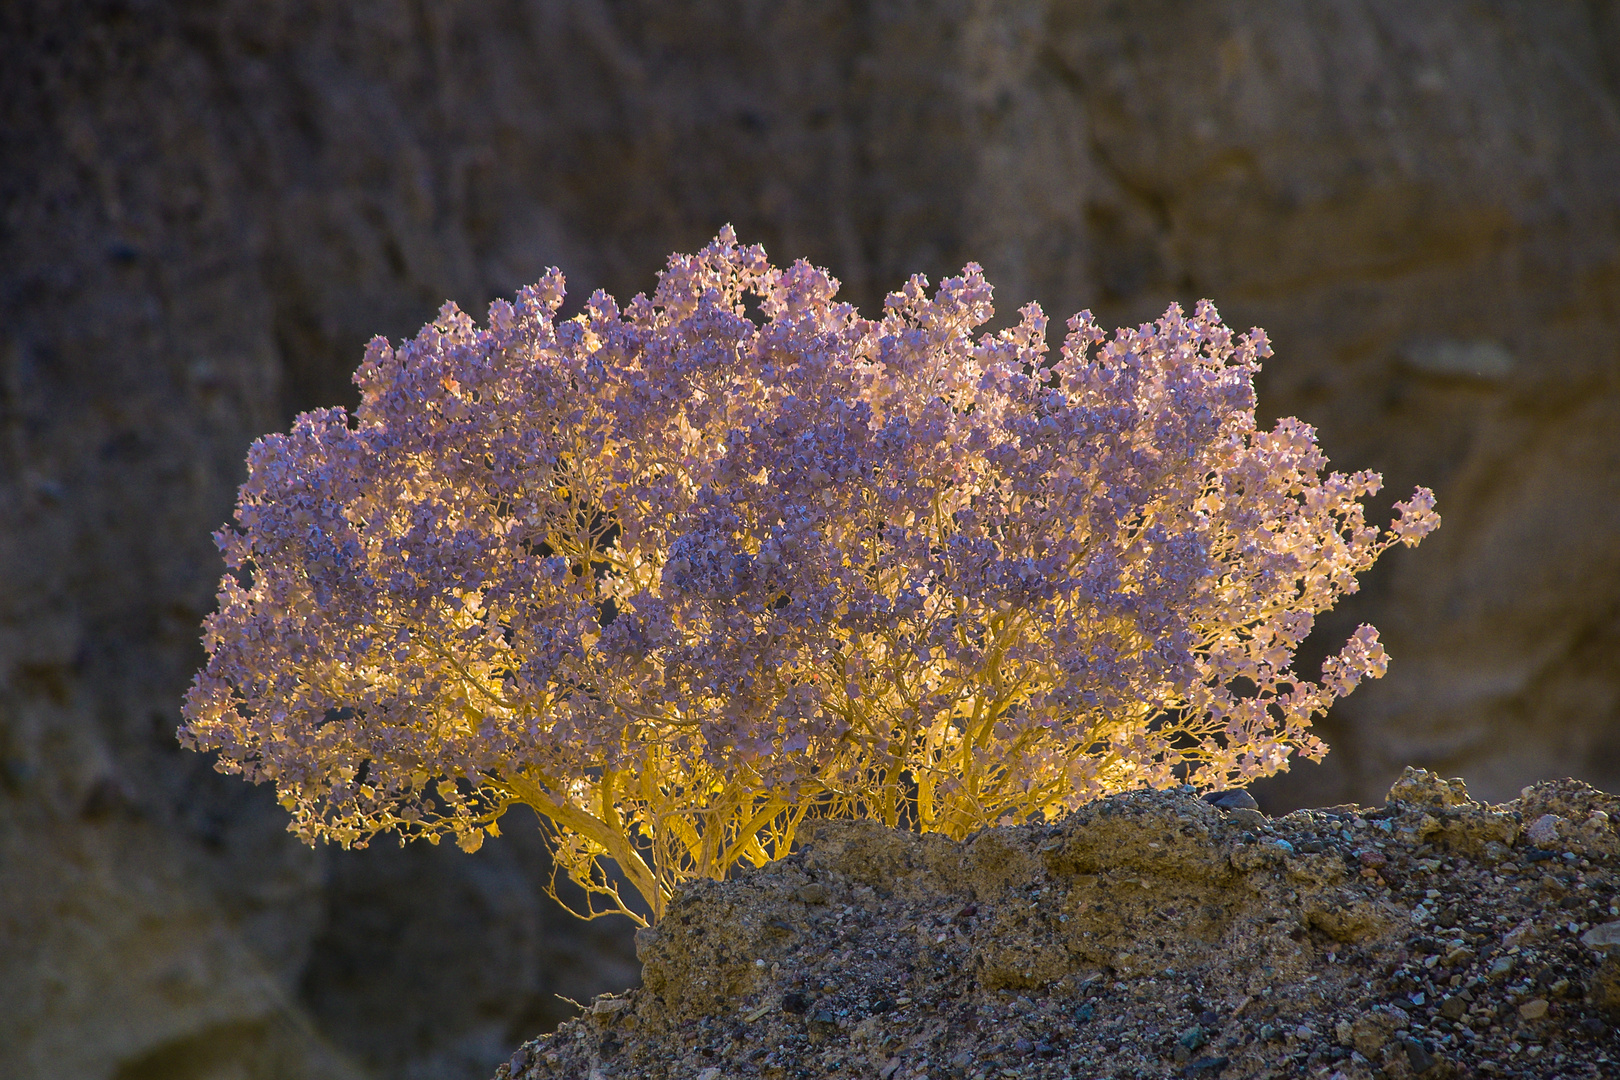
[
  {"x": 1146, "y": 935},
  {"x": 207, "y": 210}
]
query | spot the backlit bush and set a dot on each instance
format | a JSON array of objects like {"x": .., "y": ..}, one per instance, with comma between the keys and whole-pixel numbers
[{"x": 676, "y": 577}]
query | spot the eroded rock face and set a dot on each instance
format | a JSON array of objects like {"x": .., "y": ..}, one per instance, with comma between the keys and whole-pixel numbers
[
  {"x": 1147, "y": 933},
  {"x": 207, "y": 210}
]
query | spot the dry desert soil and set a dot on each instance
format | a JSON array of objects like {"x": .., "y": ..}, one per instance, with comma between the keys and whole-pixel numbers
[{"x": 1151, "y": 934}]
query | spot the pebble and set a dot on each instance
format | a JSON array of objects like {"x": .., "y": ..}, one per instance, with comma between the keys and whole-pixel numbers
[
  {"x": 1419, "y": 1057},
  {"x": 1602, "y": 936},
  {"x": 1534, "y": 1009},
  {"x": 813, "y": 893},
  {"x": 1236, "y": 799},
  {"x": 1543, "y": 832}
]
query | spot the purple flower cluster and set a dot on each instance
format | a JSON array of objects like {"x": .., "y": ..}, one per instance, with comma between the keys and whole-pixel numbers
[{"x": 676, "y": 578}]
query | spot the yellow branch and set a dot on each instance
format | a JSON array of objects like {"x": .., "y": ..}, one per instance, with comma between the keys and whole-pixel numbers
[{"x": 534, "y": 792}]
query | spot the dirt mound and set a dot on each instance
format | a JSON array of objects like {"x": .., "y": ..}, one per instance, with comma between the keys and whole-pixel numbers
[{"x": 1150, "y": 934}]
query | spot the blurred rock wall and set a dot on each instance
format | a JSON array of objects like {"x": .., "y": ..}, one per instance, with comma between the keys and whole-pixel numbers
[{"x": 207, "y": 209}]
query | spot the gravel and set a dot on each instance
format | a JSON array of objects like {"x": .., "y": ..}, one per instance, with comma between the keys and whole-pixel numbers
[{"x": 1152, "y": 934}]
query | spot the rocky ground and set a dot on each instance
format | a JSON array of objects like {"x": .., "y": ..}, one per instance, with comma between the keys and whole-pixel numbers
[{"x": 1147, "y": 935}]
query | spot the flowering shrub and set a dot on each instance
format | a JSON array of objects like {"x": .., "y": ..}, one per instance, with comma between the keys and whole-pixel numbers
[{"x": 676, "y": 578}]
